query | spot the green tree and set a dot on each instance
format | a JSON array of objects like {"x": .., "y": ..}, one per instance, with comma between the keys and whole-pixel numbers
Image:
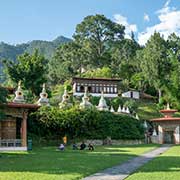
[
  {"x": 96, "y": 34},
  {"x": 3, "y": 95},
  {"x": 30, "y": 69},
  {"x": 104, "y": 72},
  {"x": 154, "y": 63},
  {"x": 67, "y": 62},
  {"x": 172, "y": 89},
  {"x": 123, "y": 62}
]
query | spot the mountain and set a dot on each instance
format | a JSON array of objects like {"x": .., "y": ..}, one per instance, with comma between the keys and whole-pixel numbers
[{"x": 46, "y": 48}]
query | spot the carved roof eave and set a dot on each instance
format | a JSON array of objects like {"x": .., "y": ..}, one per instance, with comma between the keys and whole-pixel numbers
[
  {"x": 17, "y": 109},
  {"x": 22, "y": 105}
]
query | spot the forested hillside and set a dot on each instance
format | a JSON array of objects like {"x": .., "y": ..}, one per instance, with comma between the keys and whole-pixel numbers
[{"x": 46, "y": 48}]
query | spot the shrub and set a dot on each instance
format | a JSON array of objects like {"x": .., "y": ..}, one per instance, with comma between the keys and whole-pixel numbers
[{"x": 87, "y": 123}]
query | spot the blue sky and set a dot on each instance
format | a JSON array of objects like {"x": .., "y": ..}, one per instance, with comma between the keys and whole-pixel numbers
[{"x": 22, "y": 21}]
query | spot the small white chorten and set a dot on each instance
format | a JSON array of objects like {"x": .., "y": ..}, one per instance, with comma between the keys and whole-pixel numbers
[
  {"x": 154, "y": 132},
  {"x": 19, "y": 98},
  {"x": 145, "y": 125},
  {"x": 43, "y": 100},
  {"x": 112, "y": 109},
  {"x": 168, "y": 106},
  {"x": 85, "y": 100},
  {"x": 127, "y": 110},
  {"x": 137, "y": 117},
  {"x": 123, "y": 110},
  {"x": 119, "y": 109},
  {"x": 102, "y": 106},
  {"x": 65, "y": 100}
]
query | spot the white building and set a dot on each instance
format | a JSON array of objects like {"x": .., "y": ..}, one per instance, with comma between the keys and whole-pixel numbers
[{"x": 131, "y": 94}]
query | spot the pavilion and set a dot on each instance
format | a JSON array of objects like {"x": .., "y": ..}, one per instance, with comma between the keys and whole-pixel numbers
[
  {"x": 13, "y": 128},
  {"x": 167, "y": 128}
]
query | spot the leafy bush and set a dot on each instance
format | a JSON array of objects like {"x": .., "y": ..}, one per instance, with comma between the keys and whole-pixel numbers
[{"x": 86, "y": 123}]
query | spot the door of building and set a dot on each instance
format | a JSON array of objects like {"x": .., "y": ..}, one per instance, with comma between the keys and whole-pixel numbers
[{"x": 169, "y": 137}]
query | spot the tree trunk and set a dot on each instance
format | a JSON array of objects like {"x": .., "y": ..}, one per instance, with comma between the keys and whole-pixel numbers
[{"x": 159, "y": 94}]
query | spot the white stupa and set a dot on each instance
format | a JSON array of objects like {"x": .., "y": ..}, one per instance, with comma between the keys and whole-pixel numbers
[
  {"x": 145, "y": 125},
  {"x": 154, "y": 132},
  {"x": 65, "y": 100},
  {"x": 102, "y": 106},
  {"x": 19, "y": 98},
  {"x": 127, "y": 110},
  {"x": 137, "y": 117},
  {"x": 123, "y": 110},
  {"x": 119, "y": 109},
  {"x": 43, "y": 100},
  {"x": 112, "y": 109},
  {"x": 85, "y": 100}
]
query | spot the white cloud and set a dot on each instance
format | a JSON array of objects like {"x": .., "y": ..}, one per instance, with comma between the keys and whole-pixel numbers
[
  {"x": 169, "y": 22},
  {"x": 129, "y": 27},
  {"x": 146, "y": 17}
]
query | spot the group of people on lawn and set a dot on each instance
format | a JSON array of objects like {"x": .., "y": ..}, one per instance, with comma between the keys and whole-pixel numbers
[{"x": 75, "y": 146}]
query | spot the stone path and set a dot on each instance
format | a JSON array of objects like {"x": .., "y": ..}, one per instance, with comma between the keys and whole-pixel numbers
[{"x": 122, "y": 171}]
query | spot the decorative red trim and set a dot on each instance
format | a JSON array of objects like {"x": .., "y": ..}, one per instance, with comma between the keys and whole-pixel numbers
[
  {"x": 168, "y": 111},
  {"x": 166, "y": 119}
]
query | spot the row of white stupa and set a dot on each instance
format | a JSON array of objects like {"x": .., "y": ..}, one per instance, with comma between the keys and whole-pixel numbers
[
  {"x": 102, "y": 105},
  {"x": 43, "y": 100},
  {"x": 19, "y": 97}
]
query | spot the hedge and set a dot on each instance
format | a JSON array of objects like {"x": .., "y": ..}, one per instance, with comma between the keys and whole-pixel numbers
[{"x": 84, "y": 123}]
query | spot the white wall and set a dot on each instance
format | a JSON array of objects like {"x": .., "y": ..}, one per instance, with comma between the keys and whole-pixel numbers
[
  {"x": 96, "y": 94},
  {"x": 128, "y": 94}
]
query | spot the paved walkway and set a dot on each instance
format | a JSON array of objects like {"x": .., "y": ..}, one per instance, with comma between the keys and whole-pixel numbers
[{"x": 122, "y": 171}]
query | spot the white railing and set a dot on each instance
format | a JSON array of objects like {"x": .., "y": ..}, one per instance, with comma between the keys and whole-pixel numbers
[{"x": 10, "y": 142}]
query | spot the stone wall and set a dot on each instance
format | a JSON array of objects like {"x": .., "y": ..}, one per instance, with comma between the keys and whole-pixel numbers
[{"x": 98, "y": 142}]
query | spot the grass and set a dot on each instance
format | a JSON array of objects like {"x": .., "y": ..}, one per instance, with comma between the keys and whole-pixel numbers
[
  {"x": 47, "y": 163},
  {"x": 164, "y": 167},
  {"x": 147, "y": 110}
]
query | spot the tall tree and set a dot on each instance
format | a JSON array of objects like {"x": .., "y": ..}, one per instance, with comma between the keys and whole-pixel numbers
[
  {"x": 96, "y": 34},
  {"x": 173, "y": 85},
  {"x": 123, "y": 59},
  {"x": 154, "y": 64},
  {"x": 68, "y": 61},
  {"x": 30, "y": 69}
]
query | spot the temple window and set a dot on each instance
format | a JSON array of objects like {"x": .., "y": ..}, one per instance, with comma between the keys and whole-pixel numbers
[{"x": 81, "y": 88}]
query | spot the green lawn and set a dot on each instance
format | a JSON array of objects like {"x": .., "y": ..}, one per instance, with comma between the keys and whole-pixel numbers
[
  {"x": 164, "y": 167},
  {"x": 48, "y": 163}
]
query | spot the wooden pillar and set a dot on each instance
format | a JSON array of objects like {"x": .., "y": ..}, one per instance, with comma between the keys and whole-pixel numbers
[
  {"x": 160, "y": 134},
  {"x": 24, "y": 129}
]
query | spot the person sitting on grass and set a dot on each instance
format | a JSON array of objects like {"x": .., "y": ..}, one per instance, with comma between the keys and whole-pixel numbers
[
  {"x": 82, "y": 146},
  {"x": 90, "y": 146},
  {"x": 61, "y": 147},
  {"x": 74, "y": 146}
]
